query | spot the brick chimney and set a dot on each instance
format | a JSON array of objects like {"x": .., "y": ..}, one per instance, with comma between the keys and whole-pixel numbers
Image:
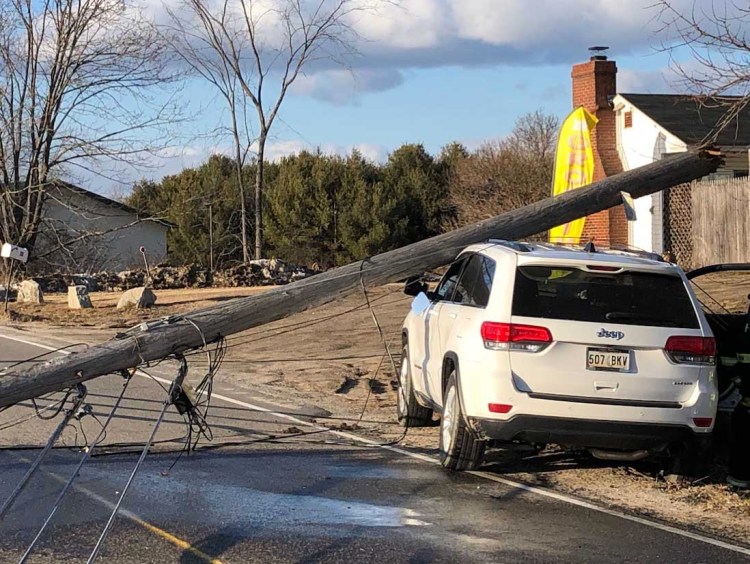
[{"x": 594, "y": 85}]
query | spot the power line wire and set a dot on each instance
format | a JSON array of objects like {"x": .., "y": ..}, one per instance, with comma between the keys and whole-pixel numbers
[
  {"x": 52, "y": 439},
  {"x": 87, "y": 453},
  {"x": 176, "y": 384}
]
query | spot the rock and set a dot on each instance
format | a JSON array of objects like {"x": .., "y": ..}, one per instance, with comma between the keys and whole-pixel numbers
[
  {"x": 128, "y": 279},
  {"x": 30, "y": 292},
  {"x": 163, "y": 277},
  {"x": 138, "y": 298},
  {"x": 78, "y": 297},
  {"x": 91, "y": 282}
]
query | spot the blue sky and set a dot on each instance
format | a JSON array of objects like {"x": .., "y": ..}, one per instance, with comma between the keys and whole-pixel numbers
[
  {"x": 436, "y": 71},
  {"x": 444, "y": 104}
]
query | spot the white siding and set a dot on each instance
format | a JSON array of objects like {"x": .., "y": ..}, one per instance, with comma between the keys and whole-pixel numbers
[
  {"x": 116, "y": 243},
  {"x": 641, "y": 144}
]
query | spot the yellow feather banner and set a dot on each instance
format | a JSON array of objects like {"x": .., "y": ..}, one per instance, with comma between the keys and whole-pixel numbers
[{"x": 574, "y": 167}]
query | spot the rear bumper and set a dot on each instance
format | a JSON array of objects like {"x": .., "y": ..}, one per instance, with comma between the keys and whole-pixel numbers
[{"x": 590, "y": 433}]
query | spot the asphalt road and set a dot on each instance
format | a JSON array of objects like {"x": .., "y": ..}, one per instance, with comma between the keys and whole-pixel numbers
[{"x": 301, "y": 495}]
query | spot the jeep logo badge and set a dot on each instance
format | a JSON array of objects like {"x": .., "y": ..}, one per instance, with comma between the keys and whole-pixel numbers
[{"x": 619, "y": 335}]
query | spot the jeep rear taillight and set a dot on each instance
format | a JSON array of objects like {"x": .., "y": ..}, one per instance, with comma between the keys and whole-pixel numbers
[
  {"x": 514, "y": 337},
  {"x": 691, "y": 350},
  {"x": 703, "y": 422},
  {"x": 499, "y": 407}
]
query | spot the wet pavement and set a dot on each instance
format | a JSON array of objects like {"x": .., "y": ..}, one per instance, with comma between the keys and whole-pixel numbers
[{"x": 301, "y": 496}]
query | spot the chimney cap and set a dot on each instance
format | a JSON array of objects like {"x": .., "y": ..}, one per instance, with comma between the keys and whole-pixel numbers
[{"x": 598, "y": 52}]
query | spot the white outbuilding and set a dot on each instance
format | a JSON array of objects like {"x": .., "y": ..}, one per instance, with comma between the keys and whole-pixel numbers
[{"x": 82, "y": 231}]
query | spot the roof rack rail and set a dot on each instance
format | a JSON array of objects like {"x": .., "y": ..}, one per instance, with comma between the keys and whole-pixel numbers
[
  {"x": 590, "y": 247},
  {"x": 515, "y": 245},
  {"x": 638, "y": 252},
  {"x": 550, "y": 246}
]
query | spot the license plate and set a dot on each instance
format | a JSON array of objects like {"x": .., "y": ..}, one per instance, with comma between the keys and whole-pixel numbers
[{"x": 604, "y": 359}]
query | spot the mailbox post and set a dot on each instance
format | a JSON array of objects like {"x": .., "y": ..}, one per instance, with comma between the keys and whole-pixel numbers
[{"x": 12, "y": 253}]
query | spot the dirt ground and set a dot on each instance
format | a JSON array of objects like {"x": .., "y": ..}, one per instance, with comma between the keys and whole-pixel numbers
[{"x": 331, "y": 359}]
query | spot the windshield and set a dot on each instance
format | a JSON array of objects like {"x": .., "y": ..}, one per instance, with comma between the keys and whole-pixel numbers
[{"x": 629, "y": 298}]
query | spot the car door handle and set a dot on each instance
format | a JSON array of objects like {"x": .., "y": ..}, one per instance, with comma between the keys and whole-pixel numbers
[{"x": 452, "y": 315}]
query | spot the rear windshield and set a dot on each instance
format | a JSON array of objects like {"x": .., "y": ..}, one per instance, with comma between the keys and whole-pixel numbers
[{"x": 630, "y": 298}]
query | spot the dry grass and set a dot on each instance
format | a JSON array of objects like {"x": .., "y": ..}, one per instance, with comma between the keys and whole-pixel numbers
[{"x": 105, "y": 314}]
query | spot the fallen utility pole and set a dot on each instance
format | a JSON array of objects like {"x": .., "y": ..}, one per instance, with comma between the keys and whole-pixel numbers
[{"x": 162, "y": 338}]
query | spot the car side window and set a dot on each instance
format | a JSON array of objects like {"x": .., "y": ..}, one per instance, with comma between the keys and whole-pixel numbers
[
  {"x": 450, "y": 278},
  {"x": 484, "y": 282},
  {"x": 476, "y": 282}
]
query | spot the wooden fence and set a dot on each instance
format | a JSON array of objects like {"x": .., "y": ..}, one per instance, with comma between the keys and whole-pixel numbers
[{"x": 720, "y": 222}]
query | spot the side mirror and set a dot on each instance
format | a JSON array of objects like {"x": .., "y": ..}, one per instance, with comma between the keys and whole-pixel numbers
[{"x": 414, "y": 286}]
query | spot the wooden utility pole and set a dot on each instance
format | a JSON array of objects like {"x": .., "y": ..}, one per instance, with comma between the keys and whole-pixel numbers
[{"x": 162, "y": 338}]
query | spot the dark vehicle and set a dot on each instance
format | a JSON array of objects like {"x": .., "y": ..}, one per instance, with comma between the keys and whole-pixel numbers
[{"x": 728, "y": 315}]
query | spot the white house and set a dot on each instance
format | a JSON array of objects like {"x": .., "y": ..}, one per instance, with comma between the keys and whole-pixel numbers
[
  {"x": 638, "y": 129},
  {"x": 82, "y": 231},
  {"x": 650, "y": 126}
]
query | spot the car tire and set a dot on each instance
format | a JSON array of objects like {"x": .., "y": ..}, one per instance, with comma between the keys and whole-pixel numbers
[
  {"x": 460, "y": 449},
  {"x": 691, "y": 465},
  {"x": 408, "y": 410}
]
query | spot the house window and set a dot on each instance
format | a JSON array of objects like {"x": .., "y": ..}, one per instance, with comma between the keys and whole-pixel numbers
[{"x": 628, "y": 119}]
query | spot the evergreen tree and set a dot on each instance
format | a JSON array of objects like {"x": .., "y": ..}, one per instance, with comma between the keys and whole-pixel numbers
[
  {"x": 303, "y": 206},
  {"x": 373, "y": 217},
  {"x": 415, "y": 178},
  {"x": 184, "y": 199}
]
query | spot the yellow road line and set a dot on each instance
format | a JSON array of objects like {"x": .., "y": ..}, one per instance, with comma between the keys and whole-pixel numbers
[{"x": 167, "y": 536}]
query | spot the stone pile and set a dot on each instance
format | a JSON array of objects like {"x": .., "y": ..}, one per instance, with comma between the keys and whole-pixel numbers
[
  {"x": 266, "y": 272},
  {"x": 57, "y": 282}
]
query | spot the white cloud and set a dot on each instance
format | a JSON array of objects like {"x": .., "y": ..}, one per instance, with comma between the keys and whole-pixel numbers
[
  {"x": 113, "y": 178},
  {"x": 175, "y": 159},
  {"x": 280, "y": 149},
  {"x": 340, "y": 86},
  {"x": 412, "y": 34},
  {"x": 668, "y": 80},
  {"x": 375, "y": 153},
  {"x": 398, "y": 35},
  {"x": 405, "y": 24},
  {"x": 645, "y": 82},
  {"x": 543, "y": 24}
]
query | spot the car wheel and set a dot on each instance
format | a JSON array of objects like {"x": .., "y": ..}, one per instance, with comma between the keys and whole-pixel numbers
[
  {"x": 691, "y": 465},
  {"x": 410, "y": 413},
  {"x": 460, "y": 449}
]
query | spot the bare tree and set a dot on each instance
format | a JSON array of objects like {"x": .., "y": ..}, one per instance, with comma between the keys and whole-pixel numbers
[
  {"x": 259, "y": 49},
  {"x": 715, "y": 33},
  {"x": 75, "y": 80},
  {"x": 506, "y": 174},
  {"x": 535, "y": 134}
]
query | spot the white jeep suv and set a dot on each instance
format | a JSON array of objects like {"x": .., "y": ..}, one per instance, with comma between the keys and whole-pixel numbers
[{"x": 540, "y": 343}]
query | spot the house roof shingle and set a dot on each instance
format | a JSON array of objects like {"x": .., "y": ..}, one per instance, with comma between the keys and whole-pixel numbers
[
  {"x": 692, "y": 121},
  {"x": 60, "y": 185}
]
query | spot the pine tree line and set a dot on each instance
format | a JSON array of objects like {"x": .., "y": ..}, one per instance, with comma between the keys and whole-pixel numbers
[{"x": 330, "y": 209}]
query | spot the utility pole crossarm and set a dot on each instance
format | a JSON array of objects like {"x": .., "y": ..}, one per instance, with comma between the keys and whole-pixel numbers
[{"x": 181, "y": 333}]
